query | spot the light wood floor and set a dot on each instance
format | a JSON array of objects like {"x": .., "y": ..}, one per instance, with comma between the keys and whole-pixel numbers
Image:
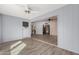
[
  {"x": 31, "y": 46},
  {"x": 46, "y": 38}
]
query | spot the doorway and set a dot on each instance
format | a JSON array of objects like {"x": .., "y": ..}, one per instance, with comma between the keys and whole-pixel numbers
[
  {"x": 46, "y": 29},
  {"x": 33, "y": 29}
]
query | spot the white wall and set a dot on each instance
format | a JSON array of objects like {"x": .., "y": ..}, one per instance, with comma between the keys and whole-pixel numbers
[
  {"x": 12, "y": 28},
  {"x": 68, "y": 29},
  {"x": 26, "y": 32},
  {"x": 0, "y": 29},
  {"x": 39, "y": 26}
]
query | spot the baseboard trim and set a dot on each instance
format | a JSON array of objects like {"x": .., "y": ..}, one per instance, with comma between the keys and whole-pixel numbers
[{"x": 55, "y": 46}]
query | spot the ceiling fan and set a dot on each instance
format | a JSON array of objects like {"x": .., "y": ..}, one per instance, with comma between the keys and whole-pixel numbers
[{"x": 29, "y": 10}]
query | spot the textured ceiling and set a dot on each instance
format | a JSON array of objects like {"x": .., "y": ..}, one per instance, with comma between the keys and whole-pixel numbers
[{"x": 18, "y": 10}]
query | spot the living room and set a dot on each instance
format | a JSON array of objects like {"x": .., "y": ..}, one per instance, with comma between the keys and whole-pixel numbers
[{"x": 54, "y": 25}]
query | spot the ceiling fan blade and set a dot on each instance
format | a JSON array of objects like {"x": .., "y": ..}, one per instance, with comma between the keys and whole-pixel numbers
[
  {"x": 34, "y": 11},
  {"x": 29, "y": 8},
  {"x": 26, "y": 7}
]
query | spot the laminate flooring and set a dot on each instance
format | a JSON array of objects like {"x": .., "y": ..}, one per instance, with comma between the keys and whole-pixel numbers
[
  {"x": 32, "y": 46},
  {"x": 46, "y": 38}
]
